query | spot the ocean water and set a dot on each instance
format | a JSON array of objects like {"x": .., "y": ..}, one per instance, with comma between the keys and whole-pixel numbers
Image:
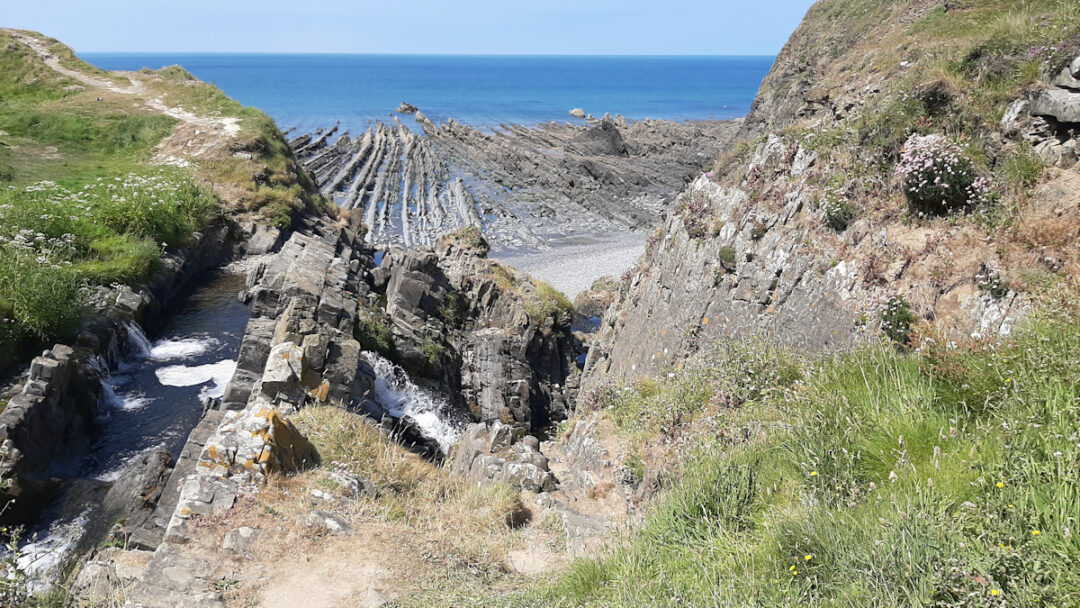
[{"x": 310, "y": 91}]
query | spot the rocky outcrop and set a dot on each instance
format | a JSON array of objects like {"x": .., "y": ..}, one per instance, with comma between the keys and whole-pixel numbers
[
  {"x": 51, "y": 417},
  {"x": 488, "y": 334},
  {"x": 758, "y": 261},
  {"x": 1049, "y": 120},
  {"x": 304, "y": 302},
  {"x": 489, "y": 454},
  {"x": 410, "y": 188}
]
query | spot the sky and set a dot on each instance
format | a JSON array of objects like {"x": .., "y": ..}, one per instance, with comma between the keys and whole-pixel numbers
[{"x": 559, "y": 27}]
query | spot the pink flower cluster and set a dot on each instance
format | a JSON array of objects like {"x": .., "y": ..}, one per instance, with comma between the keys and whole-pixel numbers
[{"x": 938, "y": 176}]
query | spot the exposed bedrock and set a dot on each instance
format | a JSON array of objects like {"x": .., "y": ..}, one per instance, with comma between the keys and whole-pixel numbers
[
  {"x": 521, "y": 184},
  {"x": 488, "y": 334},
  {"x": 51, "y": 419},
  {"x": 483, "y": 335}
]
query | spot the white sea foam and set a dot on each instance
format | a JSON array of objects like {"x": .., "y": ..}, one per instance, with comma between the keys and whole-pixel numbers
[
  {"x": 40, "y": 558},
  {"x": 126, "y": 402},
  {"x": 397, "y": 394},
  {"x": 184, "y": 348},
  {"x": 214, "y": 375}
]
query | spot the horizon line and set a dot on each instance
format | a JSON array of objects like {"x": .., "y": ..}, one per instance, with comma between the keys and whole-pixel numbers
[{"x": 380, "y": 54}]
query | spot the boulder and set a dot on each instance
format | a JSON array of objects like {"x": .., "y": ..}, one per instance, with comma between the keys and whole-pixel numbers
[
  {"x": 332, "y": 523},
  {"x": 284, "y": 369},
  {"x": 577, "y": 113},
  {"x": 1075, "y": 68},
  {"x": 483, "y": 456},
  {"x": 354, "y": 486},
  {"x": 1061, "y": 105},
  {"x": 406, "y": 108},
  {"x": 242, "y": 540},
  {"x": 1066, "y": 80}
]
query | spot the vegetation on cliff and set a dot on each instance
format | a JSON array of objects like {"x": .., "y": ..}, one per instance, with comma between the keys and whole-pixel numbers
[
  {"x": 947, "y": 478},
  {"x": 913, "y": 471},
  {"x": 101, "y": 174}
]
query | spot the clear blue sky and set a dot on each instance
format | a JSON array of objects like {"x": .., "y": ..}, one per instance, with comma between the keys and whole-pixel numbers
[{"x": 692, "y": 27}]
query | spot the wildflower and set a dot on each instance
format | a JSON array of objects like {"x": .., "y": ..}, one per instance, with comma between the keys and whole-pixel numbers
[
  {"x": 813, "y": 473},
  {"x": 1034, "y": 532},
  {"x": 1000, "y": 485},
  {"x": 809, "y": 557},
  {"x": 995, "y": 592}
]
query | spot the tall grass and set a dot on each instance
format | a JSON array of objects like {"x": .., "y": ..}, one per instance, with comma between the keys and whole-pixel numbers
[
  {"x": 947, "y": 478},
  {"x": 56, "y": 240}
]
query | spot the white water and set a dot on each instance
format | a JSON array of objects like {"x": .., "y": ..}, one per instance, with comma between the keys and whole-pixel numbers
[
  {"x": 127, "y": 402},
  {"x": 185, "y": 348},
  {"x": 40, "y": 557},
  {"x": 397, "y": 394},
  {"x": 137, "y": 340},
  {"x": 215, "y": 375}
]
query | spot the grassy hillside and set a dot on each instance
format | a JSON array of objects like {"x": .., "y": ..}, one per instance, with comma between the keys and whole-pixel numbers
[
  {"x": 101, "y": 174},
  {"x": 946, "y": 478},
  {"x": 916, "y": 471}
]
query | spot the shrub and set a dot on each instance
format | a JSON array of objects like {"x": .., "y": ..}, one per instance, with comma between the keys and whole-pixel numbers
[
  {"x": 469, "y": 238},
  {"x": 433, "y": 354},
  {"x": 546, "y": 301},
  {"x": 372, "y": 331},
  {"x": 758, "y": 231},
  {"x": 896, "y": 320},
  {"x": 839, "y": 213},
  {"x": 727, "y": 257},
  {"x": 938, "y": 177},
  {"x": 454, "y": 309}
]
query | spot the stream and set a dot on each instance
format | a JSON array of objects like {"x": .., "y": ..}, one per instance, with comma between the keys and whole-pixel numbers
[{"x": 153, "y": 398}]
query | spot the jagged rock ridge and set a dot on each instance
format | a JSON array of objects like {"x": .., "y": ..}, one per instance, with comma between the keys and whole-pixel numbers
[{"x": 521, "y": 184}]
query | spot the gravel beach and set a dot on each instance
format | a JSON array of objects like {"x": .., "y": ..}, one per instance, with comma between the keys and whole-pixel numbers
[{"x": 571, "y": 265}]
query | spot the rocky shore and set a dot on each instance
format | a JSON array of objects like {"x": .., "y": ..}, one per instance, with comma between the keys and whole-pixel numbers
[{"x": 527, "y": 187}]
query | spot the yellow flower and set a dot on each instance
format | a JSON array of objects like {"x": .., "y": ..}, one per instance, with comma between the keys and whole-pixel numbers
[
  {"x": 813, "y": 473},
  {"x": 1012, "y": 506},
  {"x": 792, "y": 568},
  {"x": 995, "y": 592},
  {"x": 1034, "y": 532},
  {"x": 1000, "y": 485},
  {"x": 809, "y": 557}
]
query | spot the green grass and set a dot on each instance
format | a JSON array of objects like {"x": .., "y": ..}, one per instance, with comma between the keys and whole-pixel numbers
[
  {"x": 56, "y": 240},
  {"x": 373, "y": 330},
  {"x": 544, "y": 302},
  {"x": 881, "y": 479}
]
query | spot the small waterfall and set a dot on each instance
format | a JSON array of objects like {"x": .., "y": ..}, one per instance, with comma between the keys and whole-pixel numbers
[
  {"x": 137, "y": 341},
  {"x": 397, "y": 394}
]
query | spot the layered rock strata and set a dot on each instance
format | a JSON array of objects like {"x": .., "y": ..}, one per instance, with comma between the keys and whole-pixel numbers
[{"x": 524, "y": 184}]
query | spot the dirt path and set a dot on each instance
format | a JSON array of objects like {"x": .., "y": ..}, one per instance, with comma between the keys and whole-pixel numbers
[{"x": 195, "y": 137}]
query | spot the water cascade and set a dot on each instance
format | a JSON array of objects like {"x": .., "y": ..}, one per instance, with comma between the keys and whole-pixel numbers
[{"x": 401, "y": 398}]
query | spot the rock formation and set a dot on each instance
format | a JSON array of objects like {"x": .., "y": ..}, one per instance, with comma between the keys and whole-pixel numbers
[{"x": 519, "y": 183}]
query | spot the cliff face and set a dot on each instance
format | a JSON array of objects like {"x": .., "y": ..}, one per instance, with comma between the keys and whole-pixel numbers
[{"x": 802, "y": 234}]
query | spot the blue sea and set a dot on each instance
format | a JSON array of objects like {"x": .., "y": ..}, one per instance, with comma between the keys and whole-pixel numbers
[{"x": 308, "y": 91}]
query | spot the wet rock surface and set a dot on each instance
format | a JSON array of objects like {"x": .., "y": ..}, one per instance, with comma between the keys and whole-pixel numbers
[
  {"x": 483, "y": 332},
  {"x": 525, "y": 185}
]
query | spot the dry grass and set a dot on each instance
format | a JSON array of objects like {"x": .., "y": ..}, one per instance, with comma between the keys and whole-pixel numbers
[{"x": 466, "y": 524}]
